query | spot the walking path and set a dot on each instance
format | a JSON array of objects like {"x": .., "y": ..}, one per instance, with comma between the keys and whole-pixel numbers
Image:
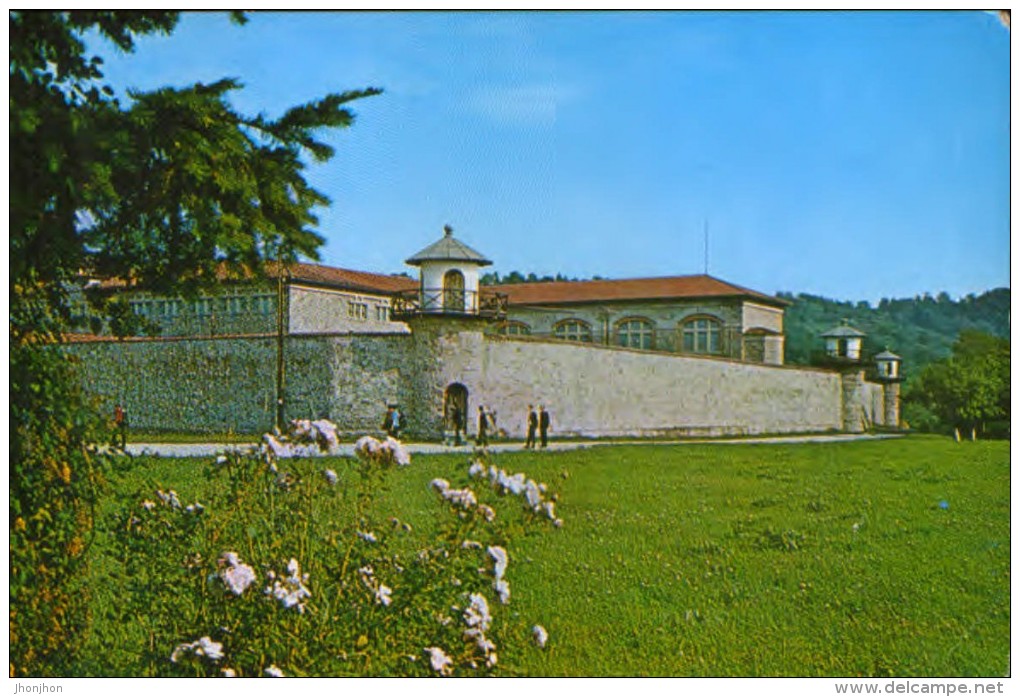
[{"x": 211, "y": 449}]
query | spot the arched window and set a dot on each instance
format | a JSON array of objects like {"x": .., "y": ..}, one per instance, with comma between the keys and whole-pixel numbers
[
  {"x": 701, "y": 335},
  {"x": 514, "y": 329},
  {"x": 635, "y": 333},
  {"x": 573, "y": 330},
  {"x": 453, "y": 291}
]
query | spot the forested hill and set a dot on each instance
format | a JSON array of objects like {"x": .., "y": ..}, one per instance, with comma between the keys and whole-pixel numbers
[{"x": 920, "y": 329}]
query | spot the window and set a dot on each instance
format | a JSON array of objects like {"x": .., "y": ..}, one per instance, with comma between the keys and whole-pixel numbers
[
  {"x": 573, "y": 330},
  {"x": 514, "y": 329},
  {"x": 263, "y": 304},
  {"x": 701, "y": 335},
  {"x": 635, "y": 333},
  {"x": 357, "y": 310},
  {"x": 382, "y": 313},
  {"x": 453, "y": 291}
]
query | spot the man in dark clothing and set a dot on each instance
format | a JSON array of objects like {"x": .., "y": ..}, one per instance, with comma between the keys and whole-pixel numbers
[
  {"x": 532, "y": 426},
  {"x": 120, "y": 424},
  {"x": 483, "y": 427},
  {"x": 543, "y": 425},
  {"x": 456, "y": 417}
]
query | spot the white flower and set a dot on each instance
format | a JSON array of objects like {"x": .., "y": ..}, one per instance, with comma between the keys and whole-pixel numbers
[
  {"x": 470, "y": 544},
  {"x": 330, "y": 476},
  {"x": 503, "y": 590},
  {"x": 439, "y": 484},
  {"x": 367, "y": 536},
  {"x": 501, "y": 559},
  {"x": 326, "y": 433},
  {"x": 274, "y": 672},
  {"x": 203, "y": 647},
  {"x": 465, "y": 498},
  {"x": 541, "y": 636},
  {"x": 291, "y": 592},
  {"x": 487, "y": 512},
  {"x": 477, "y": 614},
  {"x": 558, "y": 523},
  {"x": 367, "y": 448},
  {"x": 195, "y": 508},
  {"x": 440, "y": 661},
  {"x": 236, "y": 576},
  {"x": 857, "y": 526},
  {"x": 491, "y": 660},
  {"x": 477, "y": 469},
  {"x": 148, "y": 505},
  {"x": 532, "y": 494},
  {"x": 209, "y": 648},
  {"x": 169, "y": 498},
  {"x": 550, "y": 510},
  {"x": 396, "y": 452},
  {"x": 222, "y": 460},
  {"x": 382, "y": 595},
  {"x": 229, "y": 673}
]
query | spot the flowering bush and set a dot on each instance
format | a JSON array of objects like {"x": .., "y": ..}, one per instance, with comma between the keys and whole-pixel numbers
[{"x": 293, "y": 569}]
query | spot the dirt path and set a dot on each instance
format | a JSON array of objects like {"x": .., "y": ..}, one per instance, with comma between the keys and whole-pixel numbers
[{"x": 211, "y": 449}]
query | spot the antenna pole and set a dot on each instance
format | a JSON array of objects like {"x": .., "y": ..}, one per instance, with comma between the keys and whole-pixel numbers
[{"x": 706, "y": 247}]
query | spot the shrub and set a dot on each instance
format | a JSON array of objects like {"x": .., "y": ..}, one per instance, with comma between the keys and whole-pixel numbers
[{"x": 295, "y": 569}]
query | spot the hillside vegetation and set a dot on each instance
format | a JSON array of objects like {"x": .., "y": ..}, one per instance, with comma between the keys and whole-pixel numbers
[{"x": 921, "y": 330}]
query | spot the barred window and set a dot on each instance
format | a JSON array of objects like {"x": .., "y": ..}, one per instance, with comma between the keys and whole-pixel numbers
[
  {"x": 701, "y": 335},
  {"x": 573, "y": 330},
  {"x": 514, "y": 329},
  {"x": 635, "y": 333}
]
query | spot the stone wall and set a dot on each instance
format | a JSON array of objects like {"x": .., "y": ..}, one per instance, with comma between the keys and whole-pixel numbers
[
  {"x": 204, "y": 384},
  {"x": 605, "y": 391},
  {"x": 219, "y": 384}
]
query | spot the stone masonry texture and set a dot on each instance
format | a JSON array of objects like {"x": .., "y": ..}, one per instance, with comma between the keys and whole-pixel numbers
[{"x": 228, "y": 384}]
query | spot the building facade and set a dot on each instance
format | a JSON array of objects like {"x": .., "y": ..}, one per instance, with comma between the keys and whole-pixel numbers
[{"x": 676, "y": 356}]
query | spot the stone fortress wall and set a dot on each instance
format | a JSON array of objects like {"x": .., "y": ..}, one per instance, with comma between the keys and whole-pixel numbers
[{"x": 218, "y": 384}]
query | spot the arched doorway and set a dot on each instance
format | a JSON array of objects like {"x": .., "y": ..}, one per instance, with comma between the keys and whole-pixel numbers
[
  {"x": 455, "y": 411},
  {"x": 453, "y": 291}
]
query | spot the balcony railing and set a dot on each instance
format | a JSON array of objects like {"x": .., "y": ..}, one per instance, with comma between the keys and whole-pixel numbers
[{"x": 439, "y": 301}]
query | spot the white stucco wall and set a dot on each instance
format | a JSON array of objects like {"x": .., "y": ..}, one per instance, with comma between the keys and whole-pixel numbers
[
  {"x": 605, "y": 391},
  {"x": 319, "y": 311}
]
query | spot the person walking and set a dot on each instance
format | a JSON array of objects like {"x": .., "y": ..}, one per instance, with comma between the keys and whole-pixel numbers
[
  {"x": 387, "y": 424},
  {"x": 543, "y": 425},
  {"x": 532, "y": 426},
  {"x": 483, "y": 427},
  {"x": 396, "y": 424},
  {"x": 120, "y": 425},
  {"x": 456, "y": 417}
]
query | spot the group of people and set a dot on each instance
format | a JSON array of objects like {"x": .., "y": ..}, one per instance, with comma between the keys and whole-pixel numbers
[{"x": 541, "y": 422}]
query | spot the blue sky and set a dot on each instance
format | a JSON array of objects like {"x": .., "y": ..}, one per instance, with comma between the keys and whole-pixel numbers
[{"x": 851, "y": 155}]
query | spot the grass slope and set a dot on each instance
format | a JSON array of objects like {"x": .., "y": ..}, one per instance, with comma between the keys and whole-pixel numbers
[{"x": 727, "y": 560}]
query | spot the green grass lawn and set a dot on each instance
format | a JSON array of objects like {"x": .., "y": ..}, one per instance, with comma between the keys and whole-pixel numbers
[{"x": 859, "y": 558}]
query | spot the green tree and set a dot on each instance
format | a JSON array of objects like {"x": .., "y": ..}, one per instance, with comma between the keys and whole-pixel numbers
[
  {"x": 160, "y": 191},
  {"x": 969, "y": 389}
]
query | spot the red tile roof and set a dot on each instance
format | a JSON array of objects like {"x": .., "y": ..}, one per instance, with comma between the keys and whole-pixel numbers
[
  {"x": 347, "y": 278},
  {"x": 313, "y": 273},
  {"x": 664, "y": 288}
]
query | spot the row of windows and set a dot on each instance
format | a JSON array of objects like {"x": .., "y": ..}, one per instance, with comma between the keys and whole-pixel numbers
[
  {"x": 359, "y": 311},
  {"x": 699, "y": 335},
  {"x": 202, "y": 307}
]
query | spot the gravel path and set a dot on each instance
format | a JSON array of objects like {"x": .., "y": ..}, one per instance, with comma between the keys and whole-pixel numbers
[{"x": 212, "y": 449}]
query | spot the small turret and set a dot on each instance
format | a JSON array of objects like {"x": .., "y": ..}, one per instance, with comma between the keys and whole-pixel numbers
[
  {"x": 843, "y": 343},
  {"x": 887, "y": 365},
  {"x": 449, "y": 282}
]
